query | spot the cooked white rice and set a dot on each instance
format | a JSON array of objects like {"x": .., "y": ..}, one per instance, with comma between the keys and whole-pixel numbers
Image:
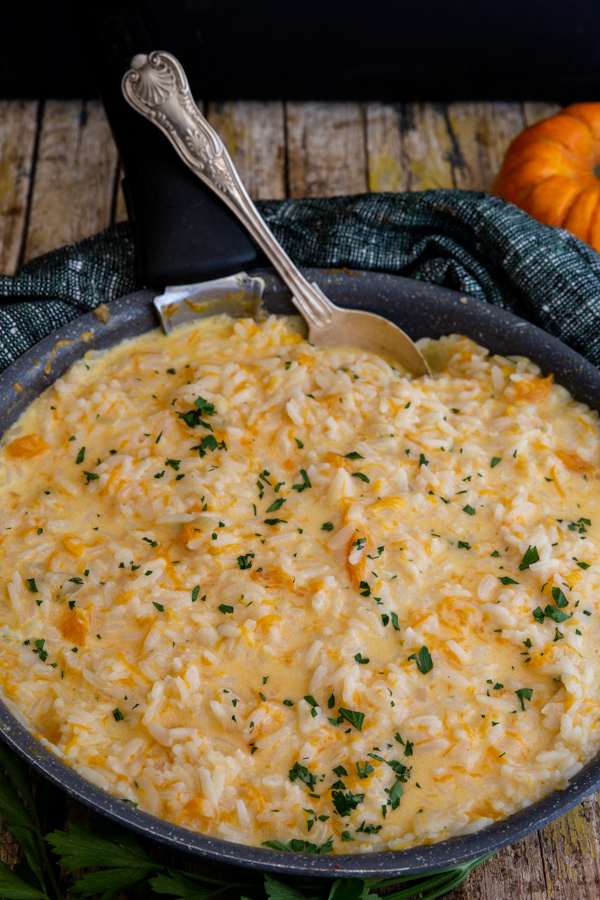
[{"x": 273, "y": 593}]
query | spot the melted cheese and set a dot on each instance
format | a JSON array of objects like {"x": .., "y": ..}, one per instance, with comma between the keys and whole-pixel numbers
[{"x": 274, "y": 593}]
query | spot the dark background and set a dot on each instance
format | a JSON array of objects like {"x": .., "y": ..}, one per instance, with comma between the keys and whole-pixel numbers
[{"x": 332, "y": 49}]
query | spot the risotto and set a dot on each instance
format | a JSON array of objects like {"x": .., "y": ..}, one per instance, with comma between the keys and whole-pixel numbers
[{"x": 293, "y": 597}]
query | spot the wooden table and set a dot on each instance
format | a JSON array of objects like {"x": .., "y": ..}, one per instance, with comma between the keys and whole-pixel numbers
[{"x": 59, "y": 182}]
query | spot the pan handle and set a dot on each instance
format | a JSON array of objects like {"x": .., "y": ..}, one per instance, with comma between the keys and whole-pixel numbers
[{"x": 183, "y": 232}]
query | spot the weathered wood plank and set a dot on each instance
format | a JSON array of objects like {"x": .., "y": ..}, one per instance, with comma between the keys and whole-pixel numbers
[
  {"x": 254, "y": 134},
  {"x": 409, "y": 147},
  {"x": 516, "y": 872},
  {"x": 74, "y": 177},
  {"x": 570, "y": 853},
  {"x": 326, "y": 152},
  {"x": 535, "y": 112},
  {"x": 480, "y": 134},
  {"x": 18, "y": 127}
]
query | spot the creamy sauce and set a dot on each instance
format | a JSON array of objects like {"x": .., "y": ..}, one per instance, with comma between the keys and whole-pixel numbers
[{"x": 273, "y": 593}]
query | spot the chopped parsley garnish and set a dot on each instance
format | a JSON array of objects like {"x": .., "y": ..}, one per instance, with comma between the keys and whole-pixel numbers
[
  {"x": 359, "y": 543},
  {"x": 174, "y": 463},
  {"x": 311, "y": 700},
  {"x": 195, "y": 593},
  {"x": 80, "y": 456},
  {"x": 159, "y": 606},
  {"x": 468, "y": 509},
  {"x": 495, "y": 553},
  {"x": 76, "y": 580},
  {"x": 531, "y": 556},
  {"x": 353, "y": 455},
  {"x": 353, "y": 716},
  {"x": 277, "y": 522},
  {"x": 224, "y": 608},
  {"x": 524, "y": 694},
  {"x": 408, "y": 746},
  {"x": 305, "y": 482},
  {"x": 361, "y": 659},
  {"x": 362, "y": 476},
  {"x": 365, "y": 590},
  {"x": 395, "y": 792},
  {"x": 583, "y": 565},
  {"x": 422, "y": 460},
  {"x": 91, "y": 476},
  {"x": 495, "y": 461},
  {"x": 559, "y": 598},
  {"x": 118, "y": 715},
  {"x": 538, "y": 614},
  {"x": 31, "y": 585},
  {"x": 151, "y": 542},
  {"x": 556, "y": 614},
  {"x": 245, "y": 561},
  {"x": 209, "y": 442},
  {"x": 288, "y": 702},
  {"x": 277, "y": 504},
  {"x": 395, "y": 621},
  {"x": 327, "y": 526},
  {"x": 364, "y": 771},
  {"x": 299, "y": 442},
  {"x": 423, "y": 660},
  {"x": 39, "y": 649},
  {"x": 506, "y": 580},
  {"x": 464, "y": 545},
  {"x": 345, "y": 803},
  {"x": 300, "y": 772}
]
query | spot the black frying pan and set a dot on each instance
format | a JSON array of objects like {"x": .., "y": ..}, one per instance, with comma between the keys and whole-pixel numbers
[
  {"x": 420, "y": 310},
  {"x": 185, "y": 234}
]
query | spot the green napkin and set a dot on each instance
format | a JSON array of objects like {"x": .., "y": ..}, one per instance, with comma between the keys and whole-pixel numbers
[{"x": 472, "y": 242}]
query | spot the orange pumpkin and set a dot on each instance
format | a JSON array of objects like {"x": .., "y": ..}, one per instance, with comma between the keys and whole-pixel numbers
[{"x": 552, "y": 171}]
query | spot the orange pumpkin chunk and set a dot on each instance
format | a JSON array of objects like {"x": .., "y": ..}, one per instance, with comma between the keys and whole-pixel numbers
[
  {"x": 27, "y": 446},
  {"x": 73, "y": 545},
  {"x": 74, "y": 626},
  {"x": 533, "y": 389},
  {"x": 189, "y": 533},
  {"x": 574, "y": 462}
]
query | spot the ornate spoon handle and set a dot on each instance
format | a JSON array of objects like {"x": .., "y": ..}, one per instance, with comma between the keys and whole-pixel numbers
[{"x": 157, "y": 87}]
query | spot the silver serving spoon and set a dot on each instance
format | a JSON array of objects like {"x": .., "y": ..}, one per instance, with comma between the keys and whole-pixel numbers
[{"x": 157, "y": 87}]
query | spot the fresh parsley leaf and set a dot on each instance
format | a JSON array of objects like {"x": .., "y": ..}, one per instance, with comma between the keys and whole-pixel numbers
[
  {"x": 302, "y": 773},
  {"x": 531, "y": 556},
  {"x": 506, "y": 580},
  {"x": 245, "y": 561},
  {"x": 353, "y": 455},
  {"x": 362, "y": 476},
  {"x": 538, "y": 614},
  {"x": 80, "y": 456},
  {"x": 423, "y": 660},
  {"x": 559, "y": 598},
  {"x": 327, "y": 526},
  {"x": 469, "y": 510},
  {"x": 353, "y": 716},
  {"x": 524, "y": 694},
  {"x": 495, "y": 461},
  {"x": 277, "y": 504},
  {"x": 557, "y": 614}
]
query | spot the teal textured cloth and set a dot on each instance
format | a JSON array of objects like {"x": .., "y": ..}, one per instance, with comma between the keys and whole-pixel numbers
[{"x": 469, "y": 241}]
